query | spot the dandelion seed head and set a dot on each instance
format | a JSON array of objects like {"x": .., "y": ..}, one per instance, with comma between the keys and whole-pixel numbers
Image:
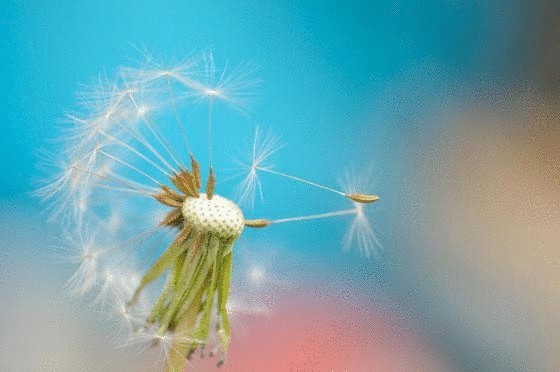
[{"x": 129, "y": 199}]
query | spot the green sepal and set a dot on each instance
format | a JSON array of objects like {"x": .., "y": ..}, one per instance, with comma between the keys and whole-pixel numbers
[
  {"x": 224, "y": 281},
  {"x": 159, "y": 267}
]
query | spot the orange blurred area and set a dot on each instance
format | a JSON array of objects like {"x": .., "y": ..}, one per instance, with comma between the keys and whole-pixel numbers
[{"x": 483, "y": 222}]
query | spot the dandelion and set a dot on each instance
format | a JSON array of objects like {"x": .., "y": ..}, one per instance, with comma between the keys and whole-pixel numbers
[{"x": 128, "y": 172}]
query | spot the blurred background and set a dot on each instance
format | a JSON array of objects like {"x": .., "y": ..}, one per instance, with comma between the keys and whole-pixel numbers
[{"x": 453, "y": 105}]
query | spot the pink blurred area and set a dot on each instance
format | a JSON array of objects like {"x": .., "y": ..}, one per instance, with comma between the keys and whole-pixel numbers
[{"x": 322, "y": 331}]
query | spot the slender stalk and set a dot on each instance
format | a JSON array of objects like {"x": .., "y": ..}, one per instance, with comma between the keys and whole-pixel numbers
[
  {"x": 262, "y": 222},
  {"x": 210, "y": 110},
  {"x": 177, "y": 116},
  {"x": 298, "y": 179},
  {"x": 135, "y": 151},
  {"x": 166, "y": 145},
  {"x": 142, "y": 189},
  {"x": 130, "y": 166},
  {"x": 138, "y": 137},
  {"x": 316, "y": 216}
]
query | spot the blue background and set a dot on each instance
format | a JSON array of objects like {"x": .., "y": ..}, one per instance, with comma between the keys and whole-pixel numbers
[{"x": 343, "y": 84}]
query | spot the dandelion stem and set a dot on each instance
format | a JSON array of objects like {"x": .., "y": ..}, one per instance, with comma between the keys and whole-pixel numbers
[{"x": 298, "y": 179}]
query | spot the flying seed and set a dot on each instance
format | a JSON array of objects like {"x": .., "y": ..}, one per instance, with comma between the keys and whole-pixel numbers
[
  {"x": 257, "y": 223},
  {"x": 362, "y": 198}
]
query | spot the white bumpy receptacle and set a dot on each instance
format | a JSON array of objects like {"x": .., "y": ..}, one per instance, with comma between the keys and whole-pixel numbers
[{"x": 217, "y": 216}]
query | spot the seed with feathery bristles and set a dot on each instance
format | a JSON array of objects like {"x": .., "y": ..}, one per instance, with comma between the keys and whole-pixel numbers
[
  {"x": 172, "y": 194},
  {"x": 190, "y": 181},
  {"x": 257, "y": 223},
  {"x": 196, "y": 172},
  {"x": 173, "y": 218},
  {"x": 181, "y": 185},
  {"x": 169, "y": 197},
  {"x": 210, "y": 184},
  {"x": 183, "y": 181},
  {"x": 183, "y": 235},
  {"x": 362, "y": 198}
]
